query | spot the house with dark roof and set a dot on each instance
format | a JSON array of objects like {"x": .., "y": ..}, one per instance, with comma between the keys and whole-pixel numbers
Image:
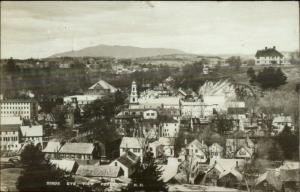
[
  {"x": 270, "y": 56},
  {"x": 127, "y": 163}
]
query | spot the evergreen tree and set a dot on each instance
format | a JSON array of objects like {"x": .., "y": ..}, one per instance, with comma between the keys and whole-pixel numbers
[
  {"x": 11, "y": 66},
  {"x": 289, "y": 143},
  {"x": 269, "y": 78},
  {"x": 251, "y": 74},
  {"x": 147, "y": 177}
]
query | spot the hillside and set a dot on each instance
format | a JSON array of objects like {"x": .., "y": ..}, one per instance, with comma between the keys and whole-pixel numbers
[{"x": 118, "y": 52}]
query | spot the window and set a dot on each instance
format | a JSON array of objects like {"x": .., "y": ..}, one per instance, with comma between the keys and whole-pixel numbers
[
  {"x": 152, "y": 114},
  {"x": 196, "y": 150},
  {"x": 116, "y": 163}
]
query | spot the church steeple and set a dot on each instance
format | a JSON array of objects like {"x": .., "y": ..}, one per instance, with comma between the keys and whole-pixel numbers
[{"x": 133, "y": 94}]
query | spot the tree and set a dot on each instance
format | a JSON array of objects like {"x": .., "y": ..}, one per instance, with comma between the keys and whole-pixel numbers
[
  {"x": 269, "y": 149},
  {"x": 251, "y": 74},
  {"x": 269, "y": 78},
  {"x": 289, "y": 143},
  {"x": 147, "y": 177},
  {"x": 235, "y": 62},
  {"x": 11, "y": 66},
  {"x": 39, "y": 173},
  {"x": 31, "y": 155}
]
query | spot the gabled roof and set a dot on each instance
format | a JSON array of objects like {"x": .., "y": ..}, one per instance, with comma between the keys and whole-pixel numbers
[
  {"x": 234, "y": 172},
  {"x": 64, "y": 164},
  {"x": 52, "y": 147},
  {"x": 103, "y": 85},
  {"x": 128, "y": 159},
  {"x": 32, "y": 131},
  {"x": 132, "y": 142},
  {"x": 271, "y": 177},
  {"x": 227, "y": 164},
  {"x": 216, "y": 145},
  {"x": 9, "y": 128},
  {"x": 247, "y": 149},
  {"x": 268, "y": 52},
  {"x": 98, "y": 171},
  {"x": 77, "y": 148},
  {"x": 198, "y": 144}
]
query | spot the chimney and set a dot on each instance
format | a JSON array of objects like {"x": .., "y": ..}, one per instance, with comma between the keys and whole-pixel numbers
[
  {"x": 266, "y": 48},
  {"x": 274, "y": 47},
  {"x": 237, "y": 164}
]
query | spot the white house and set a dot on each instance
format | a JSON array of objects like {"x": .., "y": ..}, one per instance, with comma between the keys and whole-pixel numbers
[
  {"x": 197, "y": 149},
  {"x": 156, "y": 148},
  {"x": 270, "y": 56},
  {"x": 215, "y": 151},
  {"x": 32, "y": 133},
  {"x": 170, "y": 128},
  {"x": 134, "y": 144},
  {"x": 127, "y": 163},
  {"x": 10, "y": 139},
  {"x": 150, "y": 114},
  {"x": 167, "y": 146},
  {"x": 280, "y": 122}
]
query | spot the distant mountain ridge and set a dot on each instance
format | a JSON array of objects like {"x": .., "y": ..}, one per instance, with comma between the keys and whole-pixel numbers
[{"x": 118, "y": 52}]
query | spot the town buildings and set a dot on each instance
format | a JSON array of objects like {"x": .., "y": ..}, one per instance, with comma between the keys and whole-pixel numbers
[{"x": 24, "y": 108}]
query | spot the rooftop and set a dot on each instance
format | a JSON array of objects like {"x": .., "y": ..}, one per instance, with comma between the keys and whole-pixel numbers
[
  {"x": 77, "y": 148},
  {"x": 103, "y": 85},
  {"x": 64, "y": 164},
  {"x": 268, "y": 52},
  {"x": 32, "y": 131},
  {"x": 128, "y": 159},
  {"x": 98, "y": 171},
  {"x": 9, "y": 128},
  {"x": 132, "y": 142},
  {"x": 52, "y": 147}
]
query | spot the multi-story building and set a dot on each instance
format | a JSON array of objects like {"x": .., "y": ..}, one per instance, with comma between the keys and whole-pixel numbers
[
  {"x": 169, "y": 128},
  {"x": 9, "y": 139},
  {"x": 270, "y": 56},
  {"x": 24, "y": 108}
]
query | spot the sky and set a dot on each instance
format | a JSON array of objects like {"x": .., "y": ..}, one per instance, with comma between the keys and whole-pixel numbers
[{"x": 40, "y": 29}]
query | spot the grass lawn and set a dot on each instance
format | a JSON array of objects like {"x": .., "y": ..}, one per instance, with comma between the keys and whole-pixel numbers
[{"x": 9, "y": 178}]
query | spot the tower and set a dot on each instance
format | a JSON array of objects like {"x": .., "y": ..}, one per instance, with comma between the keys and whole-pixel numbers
[{"x": 133, "y": 94}]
